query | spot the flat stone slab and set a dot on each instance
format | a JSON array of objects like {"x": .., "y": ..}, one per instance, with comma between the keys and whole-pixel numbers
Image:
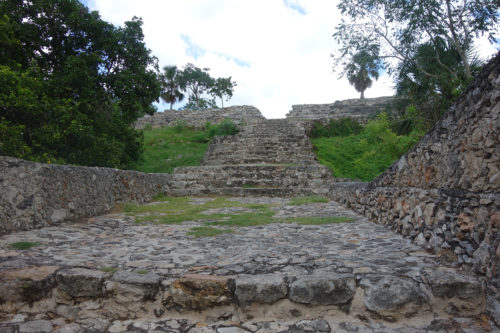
[{"x": 120, "y": 276}]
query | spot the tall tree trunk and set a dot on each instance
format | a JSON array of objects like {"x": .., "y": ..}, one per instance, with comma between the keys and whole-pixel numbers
[
  {"x": 171, "y": 106},
  {"x": 222, "y": 102},
  {"x": 362, "y": 94}
]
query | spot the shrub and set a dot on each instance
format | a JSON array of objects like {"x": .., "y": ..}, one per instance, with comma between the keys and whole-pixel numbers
[{"x": 342, "y": 127}]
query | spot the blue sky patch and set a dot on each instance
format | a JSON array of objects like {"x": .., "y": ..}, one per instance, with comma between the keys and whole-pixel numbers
[
  {"x": 294, "y": 6},
  {"x": 192, "y": 49}
]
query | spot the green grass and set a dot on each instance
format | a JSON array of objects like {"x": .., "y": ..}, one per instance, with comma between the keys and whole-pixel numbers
[
  {"x": 175, "y": 210},
  {"x": 23, "y": 245},
  {"x": 108, "y": 269},
  {"x": 169, "y": 147},
  {"x": 307, "y": 200},
  {"x": 208, "y": 232}
]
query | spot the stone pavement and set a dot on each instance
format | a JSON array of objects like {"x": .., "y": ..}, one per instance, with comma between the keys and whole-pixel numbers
[{"x": 110, "y": 274}]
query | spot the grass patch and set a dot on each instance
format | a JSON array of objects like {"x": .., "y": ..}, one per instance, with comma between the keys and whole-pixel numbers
[
  {"x": 23, "y": 245},
  {"x": 169, "y": 147},
  {"x": 307, "y": 200},
  {"x": 208, "y": 232},
  {"x": 260, "y": 217},
  {"x": 362, "y": 154},
  {"x": 108, "y": 269},
  {"x": 176, "y": 210}
]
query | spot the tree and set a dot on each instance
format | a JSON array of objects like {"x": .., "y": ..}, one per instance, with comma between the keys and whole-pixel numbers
[
  {"x": 398, "y": 27},
  {"x": 361, "y": 70},
  {"x": 197, "y": 82},
  {"x": 171, "y": 85},
  {"x": 72, "y": 84},
  {"x": 433, "y": 95},
  {"x": 223, "y": 87}
]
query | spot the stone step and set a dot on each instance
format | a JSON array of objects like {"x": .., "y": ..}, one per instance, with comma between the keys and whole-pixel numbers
[
  {"x": 252, "y": 175},
  {"x": 124, "y": 294},
  {"x": 197, "y": 191},
  {"x": 181, "y": 190}
]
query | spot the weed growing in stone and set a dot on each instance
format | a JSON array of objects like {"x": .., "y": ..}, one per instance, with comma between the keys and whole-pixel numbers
[
  {"x": 260, "y": 217},
  {"x": 307, "y": 200},
  {"x": 208, "y": 231},
  {"x": 179, "y": 209},
  {"x": 142, "y": 271},
  {"x": 175, "y": 210},
  {"x": 23, "y": 245},
  {"x": 108, "y": 269}
]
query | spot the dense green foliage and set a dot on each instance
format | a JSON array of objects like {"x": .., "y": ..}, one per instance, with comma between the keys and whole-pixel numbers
[
  {"x": 169, "y": 147},
  {"x": 72, "y": 84},
  {"x": 428, "y": 47},
  {"x": 367, "y": 153},
  {"x": 341, "y": 127}
]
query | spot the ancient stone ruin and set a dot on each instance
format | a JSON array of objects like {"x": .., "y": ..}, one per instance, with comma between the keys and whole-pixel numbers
[
  {"x": 240, "y": 115},
  {"x": 429, "y": 263}
]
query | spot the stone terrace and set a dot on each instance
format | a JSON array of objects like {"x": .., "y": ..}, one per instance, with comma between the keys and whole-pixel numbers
[
  {"x": 110, "y": 274},
  {"x": 269, "y": 157}
]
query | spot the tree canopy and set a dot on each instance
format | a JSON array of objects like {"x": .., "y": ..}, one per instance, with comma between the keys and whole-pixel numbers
[
  {"x": 200, "y": 87},
  {"x": 362, "y": 70},
  {"x": 72, "y": 84},
  {"x": 171, "y": 85},
  {"x": 426, "y": 45}
]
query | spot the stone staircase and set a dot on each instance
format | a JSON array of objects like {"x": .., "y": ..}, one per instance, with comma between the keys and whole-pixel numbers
[{"x": 267, "y": 158}]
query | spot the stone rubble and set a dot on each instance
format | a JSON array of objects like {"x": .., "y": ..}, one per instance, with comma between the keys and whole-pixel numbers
[{"x": 110, "y": 274}]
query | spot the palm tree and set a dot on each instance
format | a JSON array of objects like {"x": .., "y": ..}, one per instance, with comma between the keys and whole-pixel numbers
[
  {"x": 361, "y": 70},
  {"x": 171, "y": 85}
]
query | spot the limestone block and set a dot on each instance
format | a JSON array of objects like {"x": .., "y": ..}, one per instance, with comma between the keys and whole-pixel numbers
[
  {"x": 448, "y": 284},
  {"x": 326, "y": 289},
  {"x": 199, "y": 292},
  {"x": 81, "y": 282},
  {"x": 388, "y": 295},
  {"x": 267, "y": 288},
  {"x": 27, "y": 284}
]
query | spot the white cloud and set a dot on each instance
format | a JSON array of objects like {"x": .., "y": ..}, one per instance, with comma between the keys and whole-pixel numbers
[{"x": 278, "y": 51}]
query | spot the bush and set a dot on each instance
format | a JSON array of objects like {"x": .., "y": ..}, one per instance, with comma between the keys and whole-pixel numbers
[
  {"x": 226, "y": 127},
  {"x": 367, "y": 154},
  {"x": 342, "y": 127}
]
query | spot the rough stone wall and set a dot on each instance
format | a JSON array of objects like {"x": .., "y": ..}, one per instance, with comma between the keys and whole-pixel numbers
[
  {"x": 444, "y": 193},
  {"x": 359, "y": 109},
  {"x": 241, "y": 114},
  {"x": 36, "y": 195}
]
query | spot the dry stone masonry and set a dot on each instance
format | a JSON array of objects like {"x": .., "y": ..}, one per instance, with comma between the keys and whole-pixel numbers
[
  {"x": 445, "y": 192},
  {"x": 37, "y": 195},
  {"x": 109, "y": 273},
  {"x": 269, "y": 157},
  {"x": 240, "y": 115},
  {"x": 359, "y": 109}
]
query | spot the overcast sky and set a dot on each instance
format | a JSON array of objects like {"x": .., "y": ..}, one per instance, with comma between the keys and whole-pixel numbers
[{"x": 278, "y": 51}]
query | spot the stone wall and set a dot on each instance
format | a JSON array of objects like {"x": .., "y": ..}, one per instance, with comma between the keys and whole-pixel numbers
[
  {"x": 241, "y": 114},
  {"x": 444, "y": 193},
  {"x": 36, "y": 195},
  {"x": 359, "y": 109}
]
